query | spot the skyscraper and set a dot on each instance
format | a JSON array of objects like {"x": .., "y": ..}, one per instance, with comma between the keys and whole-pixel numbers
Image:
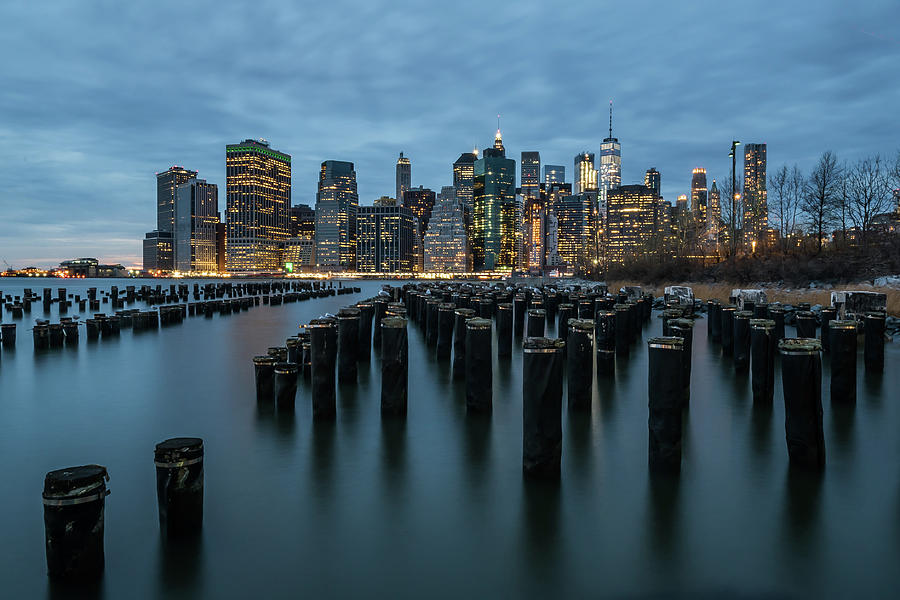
[
  {"x": 404, "y": 176},
  {"x": 303, "y": 221},
  {"x": 610, "y": 165},
  {"x": 495, "y": 215},
  {"x": 464, "y": 177},
  {"x": 714, "y": 215},
  {"x": 386, "y": 234},
  {"x": 699, "y": 198},
  {"x": 445, "y": 243},
  {"x": 531, "y": 174},
  {"x": 756, "y": 210},
  {"x": 631, "y": 222},
  {"x": 166, "y": 182},
  {"x": 337, "y": 204},
  {"x": 585, "y": 173},
  {"x": 653, "y": 180},
  {"x": 574, "y": 229},
  {"x": 258, "y": 197},
  {"x": 158, "y": 252},
  {"x": 554, "y": 174},
  {"x": 420, "y": 200},
  {"x": 196, "y": 217},
  {"x": 534, "y": 232}
]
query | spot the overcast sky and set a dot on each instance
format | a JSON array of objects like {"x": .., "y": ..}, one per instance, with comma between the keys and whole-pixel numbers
[{"x": 96, "y": 97}]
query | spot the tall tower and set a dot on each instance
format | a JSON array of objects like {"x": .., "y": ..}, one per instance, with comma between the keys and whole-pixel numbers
[
  {"x": 258, "y": 192},
  {"x": 653, "y": 180},
  {"x": 755, "y": 204},
  {"x": 404, "y": 176},
  {"x": 337, "y": 204},
  {"x": 463, "y": 177},
  {"x": 196, "y": 217},
  {"x": 495, "y": 220},
  {"x": 699, "y": 197},
  {"x": 714, "y": 215},
  {"x": 554, "y": 174},
  {"x": 166, "y": 182},
  {"x": 531, "y": 174},
  {"x": 610, "y": 164},
  {"x": 585, "y": 173}
]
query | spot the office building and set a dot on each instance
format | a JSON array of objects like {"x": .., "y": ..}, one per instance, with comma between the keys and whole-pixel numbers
[
  {"x": 258, "y": 198},
  {"x": 464, "y": 177},
  {"x": 303, "y": 221},
  {"x": 404, "y": 175},
  {"x": 531, "y": 174},
  {"x": 699, "y": 198},
  {"x": 755, "y": 204},
  {"x": 158, "y": 251},
  {"x": 196, "y": 217},
  {"x": 714, "y": 215},
  {"x": 653, "y": 180},
  {"x": 166, "y": 182},
  {"x": 552, "y": 240},
  {"x": 337, "y": 203},
  {"x": 385, "y": 238},
  {"x": 574, "y": 215},
  {"x": 585, "y": 173},
  {"x": 446, "y": 248},
  {"x": 299, "y": 255},
  {"x": 221, "y": 245},
  {"x": 420, "y": 200},
  {"x": 554, "y": 174},
  {"x": 610, "y": 165},
  {"x": 495, "y": 217},
  {"x": 534, "y": 234},
  {"x": 631, "y": 222}
]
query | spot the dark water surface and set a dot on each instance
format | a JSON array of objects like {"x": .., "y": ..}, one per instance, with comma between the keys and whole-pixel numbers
[{"x": 436, "y": 506}]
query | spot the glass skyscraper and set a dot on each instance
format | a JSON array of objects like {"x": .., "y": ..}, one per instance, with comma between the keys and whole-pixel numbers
[
  {"x": 554, "y": 174},
  {"x": 258, "y": 192},
  {"x": 385, "y": 238},
  {"x": 699, "y": 197},
  {"x": 196, "y": 217},
  {"x": 531, "y": 174},
  {"x": 755, "y": 203},
  {"x": 496, "y": 217},
  {"x": 631, "y": 222},
  {"x": 585, "y": 173},
  {"x": 610, "y": 165},
  {"x": 166, "y": 182},
  {"x": 404, "y": 176},
  {"x": 653, "y": 180},
  {"x": 337, "y": 204}
]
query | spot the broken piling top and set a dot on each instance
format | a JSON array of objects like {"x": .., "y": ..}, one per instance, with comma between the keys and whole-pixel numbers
[
  {"x": 850, "y": 303},
  {"x": 686, "y": 323},
  {"x": 478, "y": 323},
  {"x": 264, "y": 360},
  {"x": 632, "y": 292},
  {"x": 755, "y": 296},
  {"x": 799, "y": 346},
  {"x": 666, "y": 343},
  {"x": 63, "y": 486},
  {"x": 175, "y": 450},
  {"x": 543, "y": 344},
  {"x": 581, "y": 325},
  {"x": 843, "y": 324},
  {"x": 762, "y": 324},
  {"x": 682, "y": 293}
]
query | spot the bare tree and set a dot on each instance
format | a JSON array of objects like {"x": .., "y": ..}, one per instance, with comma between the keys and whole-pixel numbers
[
  {"x": 869, "y": 194},
  {"x": 785, "y": 195},
  {"x": 819, "y": 196},
  {"x": 728, "y": 207}
]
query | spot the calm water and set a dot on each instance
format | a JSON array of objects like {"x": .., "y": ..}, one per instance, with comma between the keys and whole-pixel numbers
[{"x": 436, "y": 506}]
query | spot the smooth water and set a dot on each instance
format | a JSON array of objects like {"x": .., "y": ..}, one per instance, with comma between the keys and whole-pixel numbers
[{"x": 436, "y": 506}]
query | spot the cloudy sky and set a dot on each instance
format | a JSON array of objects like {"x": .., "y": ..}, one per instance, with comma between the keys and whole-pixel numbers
[{"x": 97, "y": 96}]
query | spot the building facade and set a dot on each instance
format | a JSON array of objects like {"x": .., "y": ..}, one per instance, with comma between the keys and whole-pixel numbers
[
  {"x": 631, "y": 222},
  {"x": 495, "y": 216},
  {"x": 446, "y": 246},
  {"x": 585, "y": 173},
  {"x": 755, "y": 201},
  {"x": 337, "y": 204},
  {"x": 196, "y": 217},
  {"x": 530, "y": 174},
  {"x": 610, "y": 166},
  {"x": 534, "y": 234},
  {"x": 699, "y": 198},
  {"x": 158, "y": 251},
  {"x": 554, "y": 174},
  {"x": 404, "y": 176},
  {"x": 385, "y": 238},
  {"x": 303, "y": 221},
  {"x": 574, "y": 236},
  {"x": 258, "y": 198},
  {"x": 166, "y": 183},
  {"x": 653, "y": 180}
]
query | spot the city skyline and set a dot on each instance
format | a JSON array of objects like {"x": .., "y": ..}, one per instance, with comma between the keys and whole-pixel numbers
[{"x": 98, "y": 108}]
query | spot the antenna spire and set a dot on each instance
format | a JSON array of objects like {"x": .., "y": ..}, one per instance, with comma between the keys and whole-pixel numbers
[{"x": 610, "y": 118}]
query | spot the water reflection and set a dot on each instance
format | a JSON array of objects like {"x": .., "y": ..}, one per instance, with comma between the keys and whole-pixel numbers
[
  {"x": 393, "y": 454},
  {"x": 578, "y": 444},
  {"x": 843, "y": 417},
  {"x": 540, "y": 524},
  {"x": 761, "y": 431},
  {"x": 802, "y": 490},
  {"x": 180, "y": 565},
  {"x": 476, "y": 429},
  {"x": 65, "y": 590},
  {"x": 663, "y": 497},
  {"x": 324, "y": 434}
]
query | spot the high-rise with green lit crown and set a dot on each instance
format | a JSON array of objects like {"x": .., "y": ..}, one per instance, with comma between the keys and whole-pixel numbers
[{"x": 258, "y": 191}]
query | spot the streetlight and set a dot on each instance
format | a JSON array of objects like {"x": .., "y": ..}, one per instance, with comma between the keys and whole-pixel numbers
[{"x": 733, "y": 156}]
